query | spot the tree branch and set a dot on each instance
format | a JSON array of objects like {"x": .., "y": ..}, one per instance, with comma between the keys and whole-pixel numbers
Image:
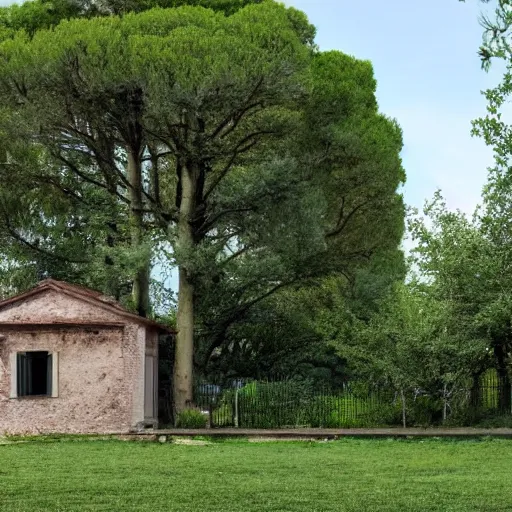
[
  {"x": 209, "y": 223},
  {"x": 342, "y": 211},
  {"x": 340, "y": 227},
  {"x": 36, "y": 248},
  {"x": 65, "y": 190},
  {"x": 236, "y": 314},
  {"x": 238, "y": 150},
  {"x": 237, "y": 115},
  {"x": 235, "y": 255},
  {"x": 157, "y": 156},
  {"x": 86, "y": 178}
]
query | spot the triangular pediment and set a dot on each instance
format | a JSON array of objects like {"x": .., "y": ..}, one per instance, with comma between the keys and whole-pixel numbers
[{"x": 59, "y": 302}]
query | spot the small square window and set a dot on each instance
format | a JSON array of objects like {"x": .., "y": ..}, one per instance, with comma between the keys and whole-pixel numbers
[{"x": 34, "y": 374}]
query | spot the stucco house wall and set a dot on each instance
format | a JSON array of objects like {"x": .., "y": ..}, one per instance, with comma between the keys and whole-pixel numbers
[{"x": 99, "y": 360}]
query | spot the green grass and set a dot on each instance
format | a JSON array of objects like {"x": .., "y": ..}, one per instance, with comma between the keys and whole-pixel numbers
[{"x": 347, "y": 475}]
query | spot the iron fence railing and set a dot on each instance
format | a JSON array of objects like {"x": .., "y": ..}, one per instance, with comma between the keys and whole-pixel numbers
[{"x": 293, "y": 403}]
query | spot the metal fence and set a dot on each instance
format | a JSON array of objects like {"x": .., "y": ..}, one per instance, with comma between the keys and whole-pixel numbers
[
  {"x": 291, "y": 403},
  {"x": 494, "y": 393}
]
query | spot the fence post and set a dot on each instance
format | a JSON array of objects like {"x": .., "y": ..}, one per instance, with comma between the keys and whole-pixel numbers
[{"x": 236, "y": 407}]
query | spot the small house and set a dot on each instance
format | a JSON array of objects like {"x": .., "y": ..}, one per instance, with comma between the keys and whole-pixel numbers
[{"x": 74, "y": 361}]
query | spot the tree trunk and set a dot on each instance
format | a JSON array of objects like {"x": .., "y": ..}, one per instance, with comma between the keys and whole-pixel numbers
[
  {"x": 112, "y": 287},
  {"x": 140, "y": 290},
  {"x": 154, "y": 175},
  {"x": 446, "y": 396},
  {"x": 184, "y": 354},
  {"x": 404, "y": 412},
  {"x": 474, "y": 393}
]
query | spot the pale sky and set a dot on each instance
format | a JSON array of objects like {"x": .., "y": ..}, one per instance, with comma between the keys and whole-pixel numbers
[{"x": 429, "y": 78}]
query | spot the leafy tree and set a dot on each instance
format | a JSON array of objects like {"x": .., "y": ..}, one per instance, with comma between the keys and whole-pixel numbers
[
  {"x": 278, "y": 339},
  {"x": 294, "y": 331},
  {"x": 34, "y": 15},
  {"x": 468, "y": 264},
  {"x": 261, "y": 162},
  {"x": 491, "y": 227},
  {"x": 54, "y": 225},
  {"x": 336, "y": 218},
  {"x": 411, "y": 345}
]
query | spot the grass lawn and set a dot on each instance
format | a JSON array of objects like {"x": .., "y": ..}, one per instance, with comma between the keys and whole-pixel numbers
[{"x": 347, "y": 475}]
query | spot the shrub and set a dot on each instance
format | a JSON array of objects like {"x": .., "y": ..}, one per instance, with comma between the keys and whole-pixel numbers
[
  {"x": 294, "y": 403},
  {"x": 499, "y": 421},
  {"x": 349, "y": 411},
  {"x": 384, "y": 414},
  {"x": 223, "y": 416},
  {"x": 274, "y": 404},
  {"x": 468, "y": 417},
  {"x": 323, "y": 412},
  {"x": 191, "y": 418},
  {"x": 423, "y": 410}
]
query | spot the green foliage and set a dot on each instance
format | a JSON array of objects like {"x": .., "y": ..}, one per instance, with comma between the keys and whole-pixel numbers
[
  {"x": 348, "y": 411},
  {"x": 499, "y": 421},
  {"x": 294, "y": 171},
  {"x": 223, "y": 415},
  {"x": 300, "y": 403},
  {"x": 191, "y": 418},
  {"x": 273, "y": 404},
  {"x": 278, "y": 337},
  {"x": 493, "y": 224},
  {"x": 34, "y": 15},
  {"x": 411, "y": 343},
  {"x": 468, "y": 265},
  {"x": 385, "y": 413}
]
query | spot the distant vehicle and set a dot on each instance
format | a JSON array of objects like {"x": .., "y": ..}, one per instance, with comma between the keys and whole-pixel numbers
[{"x": 209, "y": 389}]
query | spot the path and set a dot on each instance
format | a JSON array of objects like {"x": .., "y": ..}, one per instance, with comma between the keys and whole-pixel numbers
[{"x": 331, "y": 433}]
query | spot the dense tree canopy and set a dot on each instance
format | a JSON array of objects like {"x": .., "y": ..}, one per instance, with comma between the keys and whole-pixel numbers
[{"x": 222, "y": 138}]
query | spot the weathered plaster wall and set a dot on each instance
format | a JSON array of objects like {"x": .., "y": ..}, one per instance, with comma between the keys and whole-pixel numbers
[
  {"x": 137, "y": 381},
  {"x": 100, "y": 372},
  {"x": 51, "y": 306}
]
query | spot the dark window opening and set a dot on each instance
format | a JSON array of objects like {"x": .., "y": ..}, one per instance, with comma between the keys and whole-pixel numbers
[{"x": 34, "y": 374}]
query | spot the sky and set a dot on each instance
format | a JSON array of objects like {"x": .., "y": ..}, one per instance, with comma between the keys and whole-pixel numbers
[{"x": 429, "y": 78}]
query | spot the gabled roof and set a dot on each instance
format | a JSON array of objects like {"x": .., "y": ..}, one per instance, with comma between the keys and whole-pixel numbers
[{"x": 87, "y": 295}]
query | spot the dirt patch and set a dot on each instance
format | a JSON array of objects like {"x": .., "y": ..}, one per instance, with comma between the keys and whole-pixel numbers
[{"x": 190, "y": 442}]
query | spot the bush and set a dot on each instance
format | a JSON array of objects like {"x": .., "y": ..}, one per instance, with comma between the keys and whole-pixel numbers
[
  {"x": 191, "y": 418},
  {"x": 385, "y": 414},
  {"x": 274, "y": 404},
  {"x": 337, "y": 412},
  {"x": 499, "y": 421},
  {"x": 323, "y": 412},
  {"x": 349, "y": 411},
  {"x": 294, "y": 403},
  {"x": 424, "y": 410},
  {"x": 223, "y": 415}
]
